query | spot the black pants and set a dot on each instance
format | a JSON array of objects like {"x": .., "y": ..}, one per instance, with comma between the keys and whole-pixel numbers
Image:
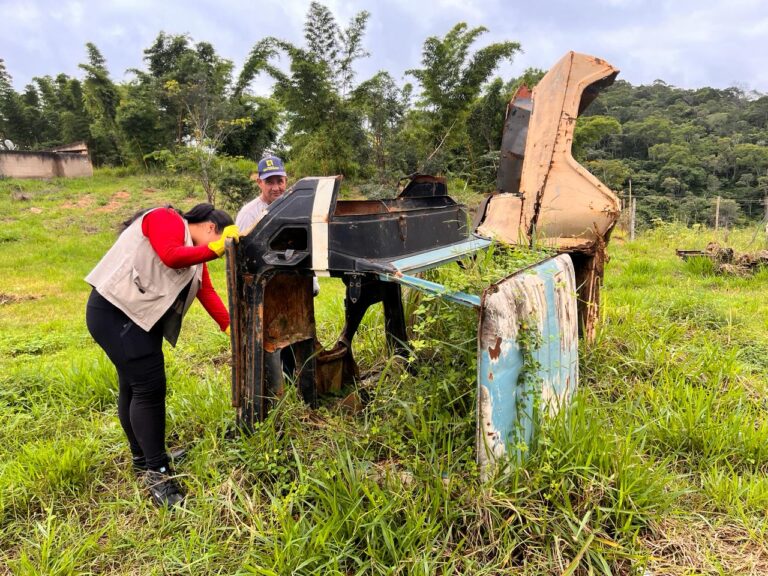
[{"x": 138, "y": 357}]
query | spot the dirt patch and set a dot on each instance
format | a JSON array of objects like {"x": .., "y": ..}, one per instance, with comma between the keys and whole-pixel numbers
[
  {"x": 687, "y": 546},
  {"x": 82, "y": 202},
  {"x": 15, "y": 298},
  {"x": 151, "y": 190},
  {"x": 116, "y": 202},
  {"x": 89, "y": 230}
]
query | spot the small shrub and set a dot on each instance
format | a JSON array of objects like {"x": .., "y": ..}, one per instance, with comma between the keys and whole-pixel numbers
[
  {"x": 700, "y": 266},
  {"x": 116, "y": 171},
  {"x": 236, "y": 187}
]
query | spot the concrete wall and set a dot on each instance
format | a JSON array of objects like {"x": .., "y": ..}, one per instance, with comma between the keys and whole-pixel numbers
[
  {"x": 17, "y": 164},
  {"x": 79, "y": 147}
]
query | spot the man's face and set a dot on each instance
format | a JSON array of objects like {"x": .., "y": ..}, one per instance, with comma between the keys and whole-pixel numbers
[{"x": 272, "y": 188}]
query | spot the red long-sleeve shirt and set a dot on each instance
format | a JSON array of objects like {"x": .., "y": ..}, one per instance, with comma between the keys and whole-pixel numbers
[{"x": 165, "y": 230}]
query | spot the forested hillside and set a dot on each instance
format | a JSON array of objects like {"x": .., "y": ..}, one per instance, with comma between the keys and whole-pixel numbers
[
  {"x": 681, "y": 149},
  {"x": 186, "y": 110}
]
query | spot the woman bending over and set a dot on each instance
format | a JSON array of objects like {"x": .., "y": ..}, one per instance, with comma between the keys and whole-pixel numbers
[{"x": 142, "y": 288}]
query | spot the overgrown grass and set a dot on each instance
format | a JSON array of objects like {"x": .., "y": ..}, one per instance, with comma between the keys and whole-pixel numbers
[{"x": 659, "y": 466}]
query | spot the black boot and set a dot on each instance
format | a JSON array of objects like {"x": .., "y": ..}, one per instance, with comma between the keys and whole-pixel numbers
[
  {"x": 163, "y": 487},
  {"x": 139, "y": 463}
]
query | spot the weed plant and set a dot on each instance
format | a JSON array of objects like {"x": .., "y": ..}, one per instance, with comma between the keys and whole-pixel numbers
[{"x": 658, "y": 467}]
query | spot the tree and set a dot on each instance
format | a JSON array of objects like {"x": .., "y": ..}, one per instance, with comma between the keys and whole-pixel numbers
[
  {"x": 48, "y": 126},
  {"x": 253, "y": 139},
  {"x": 185, "y": 112},
  {"x": 757, "y": 113},
  {"x": 613, "y": 173},
  {"x": 12, "y": 120},
  {"x": 168, "y": 61},
  {"x": 33, "y": 119},
  {"x": 101, "y": 98},
  {"x": 324, "y": 130},
  {"x": 141, "y": 120},
  {"x": 451, "y": 78},
  {"x": 383, "y": 107},
  {"x": 590, "y": 130},
  {"x": 211, "y": 119},
  {"x": 73, "y": 117},
  {"x": 485, "y": 125},
  {"x": 337, "y": 48},
  {"x": 486, "y": 118},
  {"x": 645, "y": 133}
]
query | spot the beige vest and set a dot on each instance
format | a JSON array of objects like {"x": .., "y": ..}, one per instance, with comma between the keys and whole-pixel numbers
[{"x": 132, "y": 277}]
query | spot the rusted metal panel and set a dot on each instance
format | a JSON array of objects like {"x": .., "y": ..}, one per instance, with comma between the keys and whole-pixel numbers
[
  {"x": 502, "y": 220},
  {"x": 527, "y": 357},
  {"x": 289, "y": 314},
  {"x": 560, "y": 202},
  {"x": 570, "y": 202},
  {"x": 424, "y": 185},
  {"x": 235, "y": 322},
  {"x": 513, "y": 142}
]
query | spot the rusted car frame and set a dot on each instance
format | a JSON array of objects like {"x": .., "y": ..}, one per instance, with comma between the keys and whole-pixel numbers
[{"x": 543, "y": 196}]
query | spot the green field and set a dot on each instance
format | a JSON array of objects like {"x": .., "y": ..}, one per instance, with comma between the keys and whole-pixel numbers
[{"x": 658, "y": 468}]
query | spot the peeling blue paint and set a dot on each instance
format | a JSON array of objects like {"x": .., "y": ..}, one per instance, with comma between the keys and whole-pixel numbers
[{"x": 510, "y": 405}]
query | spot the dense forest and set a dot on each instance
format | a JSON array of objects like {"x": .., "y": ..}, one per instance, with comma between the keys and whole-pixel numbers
[{"x": 188, "y": 111}]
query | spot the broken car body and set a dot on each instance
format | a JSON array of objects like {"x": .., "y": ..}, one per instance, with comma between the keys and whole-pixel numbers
[{"x": 375, "y": 247}]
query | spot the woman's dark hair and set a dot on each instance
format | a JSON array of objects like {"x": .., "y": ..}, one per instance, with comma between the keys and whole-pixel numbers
[
  {"x": 207, "y": 213},
  {"x": 203, "y": 212}
]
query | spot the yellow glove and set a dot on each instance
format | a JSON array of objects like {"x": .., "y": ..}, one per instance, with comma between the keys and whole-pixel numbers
[
  {"x": 226, "y": 331},
  {"x": 228, "y": 232}
]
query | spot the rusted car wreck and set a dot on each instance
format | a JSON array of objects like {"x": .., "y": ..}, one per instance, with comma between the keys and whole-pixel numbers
[{"x": 375, "y": 247}]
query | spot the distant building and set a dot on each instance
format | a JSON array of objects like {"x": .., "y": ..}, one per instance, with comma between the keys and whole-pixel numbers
[{"x": 68, "y": 161}]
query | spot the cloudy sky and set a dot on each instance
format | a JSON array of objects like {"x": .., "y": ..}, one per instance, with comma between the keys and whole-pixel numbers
[{"x": 686, "y": 43}]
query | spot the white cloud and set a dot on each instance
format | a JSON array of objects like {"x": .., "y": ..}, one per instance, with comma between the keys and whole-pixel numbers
[
  {"x": 19, "y": 13},
  {"x": 438, "y": 16},
  {"x": 687, "y": 43},
  {"x": 69, "y": 14},
  {"x": 14, "y": 14}
]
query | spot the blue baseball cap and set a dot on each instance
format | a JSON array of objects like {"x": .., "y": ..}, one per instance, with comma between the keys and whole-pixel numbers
[{"x": 271, "y": 166}]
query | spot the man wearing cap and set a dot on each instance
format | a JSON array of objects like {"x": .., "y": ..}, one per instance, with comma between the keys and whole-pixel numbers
[{"x": 271, "y": 181}]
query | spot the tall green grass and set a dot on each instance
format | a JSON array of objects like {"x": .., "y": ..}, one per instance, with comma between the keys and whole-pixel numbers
[{"x": 661, "y": 453}]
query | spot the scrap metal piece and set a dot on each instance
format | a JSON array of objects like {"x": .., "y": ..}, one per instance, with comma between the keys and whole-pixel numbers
[
  {"x": 558, "y": 201},
  {"x": 513, "y": 142},
  {"x": 571, "y": 206},
  {"x": 310, "y": 231},
  {"x": 528, "y": 361},
  {"x": 687, "y": 254}
]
